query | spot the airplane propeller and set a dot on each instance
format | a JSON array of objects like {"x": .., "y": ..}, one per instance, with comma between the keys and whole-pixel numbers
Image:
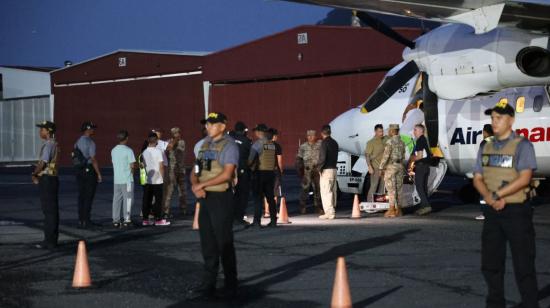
[
  {"x": 394, "y": 83},
  {"x": 431, "y": 115},
  {"x": 390, "y": 86},
  {"x": 381, "y": 27}
]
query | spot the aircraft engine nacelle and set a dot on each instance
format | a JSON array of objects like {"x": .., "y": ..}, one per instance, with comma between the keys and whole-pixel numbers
[{"x": 461, "y": 63}]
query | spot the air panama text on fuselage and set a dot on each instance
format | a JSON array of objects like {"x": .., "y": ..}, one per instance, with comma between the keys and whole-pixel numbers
[{"x": 469, "y": 136}]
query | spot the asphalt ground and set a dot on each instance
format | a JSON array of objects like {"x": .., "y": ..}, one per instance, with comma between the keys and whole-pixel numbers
[{"x": 431, "y": 261}]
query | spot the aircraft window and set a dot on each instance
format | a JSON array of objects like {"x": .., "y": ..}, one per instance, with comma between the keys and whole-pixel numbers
[
  {"x": 538, "y": 101},
  {"x": 503, "y": 100},
  {"x": 520, "y": 104}
]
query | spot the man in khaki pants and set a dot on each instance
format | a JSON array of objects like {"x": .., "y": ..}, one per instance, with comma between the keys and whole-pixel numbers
[
  {"x": 373, "y": 154},
  {"x": 328, "y": 157}
]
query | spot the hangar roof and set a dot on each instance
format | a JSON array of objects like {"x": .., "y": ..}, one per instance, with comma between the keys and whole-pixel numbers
[
  {"x": 41, "y": 69},
  {"x": 129, "y": 64}
]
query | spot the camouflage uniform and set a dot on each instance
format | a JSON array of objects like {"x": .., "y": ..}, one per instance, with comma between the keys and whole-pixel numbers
[
  {"x": 175, "y": 176},
  {"x": 392, "y": 165},
  {"x": 306, "y": 163}
]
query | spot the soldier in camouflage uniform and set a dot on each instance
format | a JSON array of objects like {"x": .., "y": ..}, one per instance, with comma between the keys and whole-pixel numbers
[
  {"x": 175, "y": 174},
  {"x": 393, "y": 170},
  {"x": 306, "y": 164}
]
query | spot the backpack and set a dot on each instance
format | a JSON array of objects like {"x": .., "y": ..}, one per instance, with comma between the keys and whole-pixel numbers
[{"x": 78, "y": 159}]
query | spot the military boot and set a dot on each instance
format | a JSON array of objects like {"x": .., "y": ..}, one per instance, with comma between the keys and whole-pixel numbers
[
  {"x": 390, "y": 213},
  {"x": 398, "y": 211}
]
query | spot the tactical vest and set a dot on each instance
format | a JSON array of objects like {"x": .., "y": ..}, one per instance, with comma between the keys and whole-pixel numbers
[
  {"x": 211, "y": 166},
  {"x": 268, "y": 158},
  {"x": 51, "y": 167},
  {"x": 498, "y": 168}
]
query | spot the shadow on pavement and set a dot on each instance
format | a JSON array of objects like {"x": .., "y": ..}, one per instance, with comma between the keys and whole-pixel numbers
[{"x": 370, "y": 300}]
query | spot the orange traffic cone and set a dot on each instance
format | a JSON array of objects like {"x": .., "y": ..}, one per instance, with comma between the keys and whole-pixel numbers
[
  {"x": 341, "y": 295},
  {"x": 283, "y": 213},
  {"x": 356, "y": 212},
  {"x": 81, "y": 277},
  {"x": 196, "y": 218}
]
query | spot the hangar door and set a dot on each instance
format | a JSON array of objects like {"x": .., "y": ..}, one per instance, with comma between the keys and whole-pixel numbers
[{"x": 19, "y": 140}]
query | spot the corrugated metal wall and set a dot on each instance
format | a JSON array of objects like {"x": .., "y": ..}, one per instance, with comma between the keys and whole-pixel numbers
[
  {"x": 293, "y": 106},
  {"x": 19, "y": 139},
  {"x": 327, "y": 50},
  {"x": 136, "y": 106}
]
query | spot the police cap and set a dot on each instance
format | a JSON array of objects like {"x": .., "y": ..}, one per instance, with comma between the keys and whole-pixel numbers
[{"x": 50, "y": 126}]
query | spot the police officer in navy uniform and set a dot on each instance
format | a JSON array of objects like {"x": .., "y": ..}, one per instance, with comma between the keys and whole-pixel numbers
[
  {"x": 263, "y": 160},
  {"x": 45, "y": 175},
  {"x": 87, "y": 177},
  {"x": 212, "y": 180},
  {"x": 502, "y": 175},
  {"x": 242, "y": 189}
]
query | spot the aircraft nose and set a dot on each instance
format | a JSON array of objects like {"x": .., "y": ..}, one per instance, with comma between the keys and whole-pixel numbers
[{"x": 342, "y": 128}]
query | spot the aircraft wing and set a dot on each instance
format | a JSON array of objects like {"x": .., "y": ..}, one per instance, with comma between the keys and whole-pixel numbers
[{"x": 482, "y": 15}]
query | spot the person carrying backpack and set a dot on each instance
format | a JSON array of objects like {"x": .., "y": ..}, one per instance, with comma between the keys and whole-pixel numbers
[{"x": 87, "y": 173}]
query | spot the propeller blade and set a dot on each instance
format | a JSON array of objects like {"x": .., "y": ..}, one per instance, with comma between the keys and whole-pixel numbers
[
  {"x": 390, "y": 86},
  {"x": 431, "y": 116},
  {"x": 381, "y": 27}
]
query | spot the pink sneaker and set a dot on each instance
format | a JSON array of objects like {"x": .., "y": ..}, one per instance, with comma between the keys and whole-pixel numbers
[
  {"x": 162, "y": 222},
  {"x": 146, "y": 222}
]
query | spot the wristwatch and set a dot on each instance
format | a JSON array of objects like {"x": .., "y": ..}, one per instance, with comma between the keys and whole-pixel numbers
[{"x": 495, "y": 196}]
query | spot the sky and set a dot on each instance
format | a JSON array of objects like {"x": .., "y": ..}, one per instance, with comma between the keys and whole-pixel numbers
[{"x": 49, "y": 32}]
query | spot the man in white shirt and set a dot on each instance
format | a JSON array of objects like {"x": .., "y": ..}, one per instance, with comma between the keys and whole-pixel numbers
[{"x": 154, "y": 166}]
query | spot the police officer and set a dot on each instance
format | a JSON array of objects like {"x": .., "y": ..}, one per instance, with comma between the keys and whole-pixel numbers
[
  {"x": 175, "y": 176},
  {"x": 502, "y": 175},
  {"x": 391, "y": 167},
  {"x": 212, "y": 185},
  {"x": 88, "y": 176},
  {"x": 242, "y": 189},
  {"x": 45, "y": 175},
  {"x": 306, "y": 165},
  {"x": 262, "y": 160}
]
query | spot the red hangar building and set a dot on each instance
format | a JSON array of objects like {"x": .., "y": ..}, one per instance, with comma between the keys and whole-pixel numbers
[{"x": 294, "y": 80}]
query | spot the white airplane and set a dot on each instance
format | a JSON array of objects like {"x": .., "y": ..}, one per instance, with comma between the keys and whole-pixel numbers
[
  {"x": 484, "y": 47},
  {"x": 460, "y": 125}
]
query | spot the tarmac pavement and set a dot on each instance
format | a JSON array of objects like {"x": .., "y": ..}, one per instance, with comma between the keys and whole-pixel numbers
[{"x": 431, "y": 261}]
